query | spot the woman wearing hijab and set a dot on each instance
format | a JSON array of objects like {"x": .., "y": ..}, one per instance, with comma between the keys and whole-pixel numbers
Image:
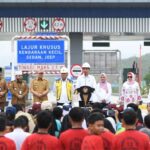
[
  {"x": 103, "y": 90},
  {"x": 130, "y": 92}
]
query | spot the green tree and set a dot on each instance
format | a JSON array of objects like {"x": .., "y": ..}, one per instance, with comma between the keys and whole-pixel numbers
[{"x": 147, "y": 79}]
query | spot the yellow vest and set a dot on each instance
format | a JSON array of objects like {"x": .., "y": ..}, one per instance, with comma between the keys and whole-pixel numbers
[{"x": 59, "y": 89}]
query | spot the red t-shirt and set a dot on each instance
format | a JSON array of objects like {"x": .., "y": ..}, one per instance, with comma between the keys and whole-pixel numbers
[
  {"x": 72, "y": 139},
  {"x": 108, "y": 138},
  {"x": 131, "y": 140},
  {"x": 92, "y": 142},
  {"x": 7, "y": 144},
  {"x": 40, "y": 142}
]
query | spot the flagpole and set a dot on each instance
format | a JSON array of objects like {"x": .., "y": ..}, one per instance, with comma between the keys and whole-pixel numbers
[{"x": 140, "y": 66}]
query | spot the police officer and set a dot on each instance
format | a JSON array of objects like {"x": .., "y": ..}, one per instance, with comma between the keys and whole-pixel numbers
[
  {"x": 86, "y": 85},
  {"x": 63, "y": 88},
  {"x": 19, "y": 89},
  {"x": 3, "y": 91},
  {"x": 39, "y": 88}
]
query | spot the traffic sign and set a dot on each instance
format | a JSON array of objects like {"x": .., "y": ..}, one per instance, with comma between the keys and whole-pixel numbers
[
  {"x": 40, "y": 51},
  {"x": 44, "y": 24},
  {"x": 58, "y": 24},
  {"x": 76, "y": 70},
  {"x": 30, "y": 24}
]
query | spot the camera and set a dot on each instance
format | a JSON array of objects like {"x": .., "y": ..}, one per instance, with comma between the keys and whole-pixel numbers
[
  {"x": 111, "y": 113},
  {"x": 108, "y": 112}
]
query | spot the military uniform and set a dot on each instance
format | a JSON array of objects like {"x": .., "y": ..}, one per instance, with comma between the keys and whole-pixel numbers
[
  {"x": 4, "y": 89},
  {"x": 40, "y": 86},
  {"x": 19, "y": 89}
]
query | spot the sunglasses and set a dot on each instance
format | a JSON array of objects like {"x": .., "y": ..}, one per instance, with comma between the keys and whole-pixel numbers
[
  {"x": 129, "y": 76},
  {"x": 85, "y": 68}
]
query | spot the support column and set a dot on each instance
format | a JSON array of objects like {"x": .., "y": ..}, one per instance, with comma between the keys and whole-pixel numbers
[{"x": 76, "y": 46}]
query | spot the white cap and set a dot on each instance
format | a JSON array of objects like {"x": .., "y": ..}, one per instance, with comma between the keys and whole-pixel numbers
[
  {"x": 64, "y": 70},
  {"x": 86, "y": 65},
  {"x": 46, "y": 105},
  {"x": 18, "y": 72}
]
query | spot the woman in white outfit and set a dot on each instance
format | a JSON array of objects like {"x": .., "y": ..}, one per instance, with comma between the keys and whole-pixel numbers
[
  {"x": 130, "y": 92},
  {"x": 103, "y": 90}
]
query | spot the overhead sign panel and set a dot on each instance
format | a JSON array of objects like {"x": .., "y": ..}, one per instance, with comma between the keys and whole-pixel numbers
[
  {"x": 44, "y": 24},
  {"x": 40, "y": 51}
]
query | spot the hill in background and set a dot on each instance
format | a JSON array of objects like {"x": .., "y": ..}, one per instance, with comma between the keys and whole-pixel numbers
[{"x": 127, "y": 63}]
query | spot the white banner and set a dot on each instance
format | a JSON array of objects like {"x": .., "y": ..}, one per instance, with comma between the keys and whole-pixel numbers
[{"x": 33, "y": 67}]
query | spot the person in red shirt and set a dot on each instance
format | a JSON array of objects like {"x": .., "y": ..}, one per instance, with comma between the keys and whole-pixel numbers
[
  {"x": 95, "y": 126},
  {"x": 71, "y": 139},
  {"x": 5, "y": 143},
  {"x": 106, "y": 134},
  {"x": 130, "y": 139},
  {"x": 42, "y": 140},
  {"x": 108, "y": 138}
]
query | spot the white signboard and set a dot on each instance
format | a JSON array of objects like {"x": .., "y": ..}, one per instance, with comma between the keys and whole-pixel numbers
[{"x": 35, "y": 68}]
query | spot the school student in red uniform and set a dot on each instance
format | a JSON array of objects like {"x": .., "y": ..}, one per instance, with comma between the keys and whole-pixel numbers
[
  {"x": 71, "y": 139},
  {"x": 108, "y": 138},
  {"x": 42, "y": 140},
  {"x": 5, "y": 143},
  {"x": 130, "y": 139},
  {"x": 95, "y": 127}
]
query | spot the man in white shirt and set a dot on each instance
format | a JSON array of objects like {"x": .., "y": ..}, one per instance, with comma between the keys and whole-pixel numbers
[
  {"x": 86, "y": 85},
  {"x": 63, "y": 88},
  {"x": 19, "y": 134}
]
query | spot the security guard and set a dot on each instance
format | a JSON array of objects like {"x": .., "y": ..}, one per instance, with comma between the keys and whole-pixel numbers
[
  {"x": 63, "y": 88},
  {"x": 18, "y": 89},
  {"x": 39, "y": 88},
  {"x": 3, "y": 91},
  {"x": 86, "y": 85}
]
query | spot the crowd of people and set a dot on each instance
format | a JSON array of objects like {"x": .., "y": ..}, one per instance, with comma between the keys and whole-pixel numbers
[
  {"x": 96, "y": 124},
  {"x": 79, "y": 128}
]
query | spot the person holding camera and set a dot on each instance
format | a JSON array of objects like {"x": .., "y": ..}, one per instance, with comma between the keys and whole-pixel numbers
[{"x": 103, "y": 90}]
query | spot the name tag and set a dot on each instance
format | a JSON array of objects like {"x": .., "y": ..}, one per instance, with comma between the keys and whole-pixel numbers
[{"x": 20, "y": 92}]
